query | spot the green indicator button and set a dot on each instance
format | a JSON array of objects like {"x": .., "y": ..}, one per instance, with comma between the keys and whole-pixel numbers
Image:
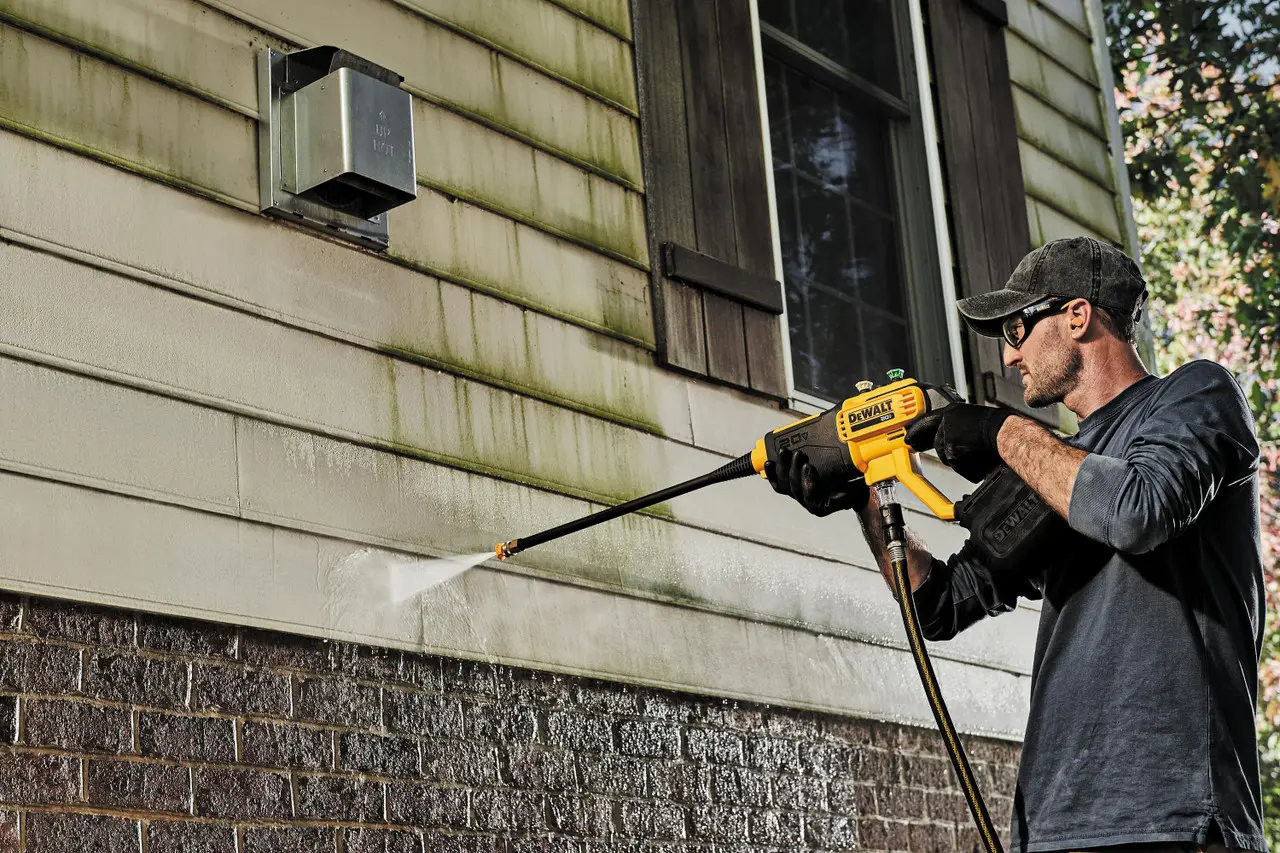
[{"x": 896, "y": 374}]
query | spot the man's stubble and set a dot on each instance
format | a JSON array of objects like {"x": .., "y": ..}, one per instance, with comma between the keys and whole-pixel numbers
[{"x": 1057, "y": 373}]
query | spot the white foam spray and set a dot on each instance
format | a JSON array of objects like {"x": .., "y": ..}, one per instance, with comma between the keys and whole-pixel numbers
[
  {"x": 407, "y": 578},
  {"x": 400, "y": 577}
]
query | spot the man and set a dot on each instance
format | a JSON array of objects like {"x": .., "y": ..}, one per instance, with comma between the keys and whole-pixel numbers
[{"x": 1141, "y": 729}]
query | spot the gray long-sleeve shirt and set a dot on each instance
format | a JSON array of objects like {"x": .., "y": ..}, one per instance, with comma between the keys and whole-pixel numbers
[{"x": 1144, "y": 680}]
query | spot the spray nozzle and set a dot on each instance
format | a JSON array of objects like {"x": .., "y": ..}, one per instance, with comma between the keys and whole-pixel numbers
[{"x": 506, "y": 549}]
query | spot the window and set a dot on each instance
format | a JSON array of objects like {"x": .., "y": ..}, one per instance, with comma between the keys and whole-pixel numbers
[{"x": 843, "y": 132}]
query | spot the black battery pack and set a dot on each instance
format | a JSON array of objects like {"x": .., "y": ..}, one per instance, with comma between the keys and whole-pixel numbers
[{"x": 1008, "y": 523}]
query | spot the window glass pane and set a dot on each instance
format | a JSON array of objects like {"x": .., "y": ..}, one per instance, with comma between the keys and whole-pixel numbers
[
  {"x": 841, "y": 249},
  {"x": 833, "y": 347},
  {"x": 869, "y": 154},
  {"x": 876, "y": 262},
  {"x": 776, "y": 101},
  {"x": 887, "y": 345},
  {"x": 824, "y": 252},
  {"x": 803, "y": 360},
  {"x": 778, "y": 13},
  {"x": 821, "y": 137},
  {"x": 821, "y": 25},
  {"x": 784, "y": 183},
  {"x": 871, "y": 43},
  {"x": 857, "y": 34}
]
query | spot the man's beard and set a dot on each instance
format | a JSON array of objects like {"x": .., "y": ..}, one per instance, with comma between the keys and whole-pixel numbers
[{"x": 1057, "y": 381}]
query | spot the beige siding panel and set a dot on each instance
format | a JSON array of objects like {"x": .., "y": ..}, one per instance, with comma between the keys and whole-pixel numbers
[
  {"x": 461, "y": 157},
  {"x": 452, "y": 239},
  {"x": 81, "y": 319},
  {"x": 1071, "y": 193},
  {"x": 1052, "y": 225},
  {"x": 106, "y": 436},
  {"x": 52, "y": 92},
  {"x": 122, "y": 551},
  {"x": 224, "y": 358},
  {"x": 288, "y": 274},
  {"x": 550, "y": 38},
  {"x": 1051, "y": 132},
  {"x": 55, "y": 94},
  {"x": 1054, "y": 85},
  {"x": 180, "y": 41},
  {"x": 1071, "y": 11},
  {"x": 613, "y": 15},
  {"x": 75, "y": 316},
  {"x": 448, "y": 68},
  {"x": 1053, "y": 37},
  {"x": 457, "y": 240},
  {"x": 307, "y": 483}
]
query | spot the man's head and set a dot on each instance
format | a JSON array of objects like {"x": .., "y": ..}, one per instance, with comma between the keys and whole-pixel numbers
[{"x": 1068, "y": 303}]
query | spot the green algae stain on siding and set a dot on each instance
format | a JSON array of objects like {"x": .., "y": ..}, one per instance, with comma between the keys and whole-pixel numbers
[
  {"x": 550, "y": 38},
  {"x": 613, "y": 15},
  {"x": 89, "y": 106}
]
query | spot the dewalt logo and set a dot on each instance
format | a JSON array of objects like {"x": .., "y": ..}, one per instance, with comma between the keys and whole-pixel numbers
[
  {"x": 875, "y": 413},
  {"x": 1014, "y": 518}
]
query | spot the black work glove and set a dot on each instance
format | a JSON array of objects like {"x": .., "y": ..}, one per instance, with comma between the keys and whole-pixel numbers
[
  {"x": 793, "y": 475},
  {"x": 964, "y": 435}
]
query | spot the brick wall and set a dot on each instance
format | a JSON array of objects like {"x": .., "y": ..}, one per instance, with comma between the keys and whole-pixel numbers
[{"x": 130, "y": 732}]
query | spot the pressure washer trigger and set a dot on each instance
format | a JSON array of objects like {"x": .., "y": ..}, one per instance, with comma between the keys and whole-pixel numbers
[{"x": 907, "y": 471}]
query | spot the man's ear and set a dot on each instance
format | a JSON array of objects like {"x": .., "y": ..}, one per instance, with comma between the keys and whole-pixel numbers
[{"x": 1079, "y": 318}]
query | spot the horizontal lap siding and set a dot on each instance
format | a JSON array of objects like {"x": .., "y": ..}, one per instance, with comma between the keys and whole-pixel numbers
[
  {"x": 454, "y": 154},
  {"x": 444, "y": 67},
  {"x": 102, "y": 325},
  {"x": 99, "y": 109},
  {"x": 1066, "y": 158},
  {"x": 612, "y": 15},
  {"x": 531, "y": 30}
]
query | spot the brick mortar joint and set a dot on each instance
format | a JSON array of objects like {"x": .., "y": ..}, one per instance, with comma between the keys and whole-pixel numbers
[{"x": 139, "y": 759}]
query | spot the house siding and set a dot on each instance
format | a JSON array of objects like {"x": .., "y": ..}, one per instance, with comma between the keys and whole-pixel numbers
[{"x": 1065, "y": 139}]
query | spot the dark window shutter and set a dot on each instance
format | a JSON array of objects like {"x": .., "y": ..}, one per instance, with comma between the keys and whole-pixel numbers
[
  {"x": 716, "y": 299},
  {"x": 984, "y": 173}
]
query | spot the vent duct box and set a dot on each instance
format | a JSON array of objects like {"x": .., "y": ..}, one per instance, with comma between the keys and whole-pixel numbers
[{"x": 335, "y": 142}]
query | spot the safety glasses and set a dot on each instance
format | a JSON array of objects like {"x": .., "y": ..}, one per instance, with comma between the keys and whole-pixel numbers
[{"x": 1016, "y": 327}]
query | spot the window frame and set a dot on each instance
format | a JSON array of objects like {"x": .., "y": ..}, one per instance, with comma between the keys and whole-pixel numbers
[{"x": 925, "y": 268}]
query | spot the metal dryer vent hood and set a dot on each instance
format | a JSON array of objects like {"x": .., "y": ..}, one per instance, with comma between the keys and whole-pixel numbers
[{"x": 335, "y": 142}]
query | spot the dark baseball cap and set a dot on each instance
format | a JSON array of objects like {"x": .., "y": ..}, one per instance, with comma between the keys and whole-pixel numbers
[{"x": 1070, "y": 268}]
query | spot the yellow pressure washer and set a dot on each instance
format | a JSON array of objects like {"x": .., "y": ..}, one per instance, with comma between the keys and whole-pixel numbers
[{"x": 865, "y": 436}]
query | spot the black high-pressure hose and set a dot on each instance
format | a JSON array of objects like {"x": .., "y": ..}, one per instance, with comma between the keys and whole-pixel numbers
[
  {"x": 895, "y": 540},
  {"x": 738, "y": 468}
]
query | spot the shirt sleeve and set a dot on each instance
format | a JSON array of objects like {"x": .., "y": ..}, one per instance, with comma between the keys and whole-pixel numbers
[
  {"x": 961, "y": 591},
  {"x": 1197, "y": 439}
]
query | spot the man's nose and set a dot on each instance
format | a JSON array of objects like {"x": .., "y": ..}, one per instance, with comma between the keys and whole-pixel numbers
[{"x": 1011, "y": 356}]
